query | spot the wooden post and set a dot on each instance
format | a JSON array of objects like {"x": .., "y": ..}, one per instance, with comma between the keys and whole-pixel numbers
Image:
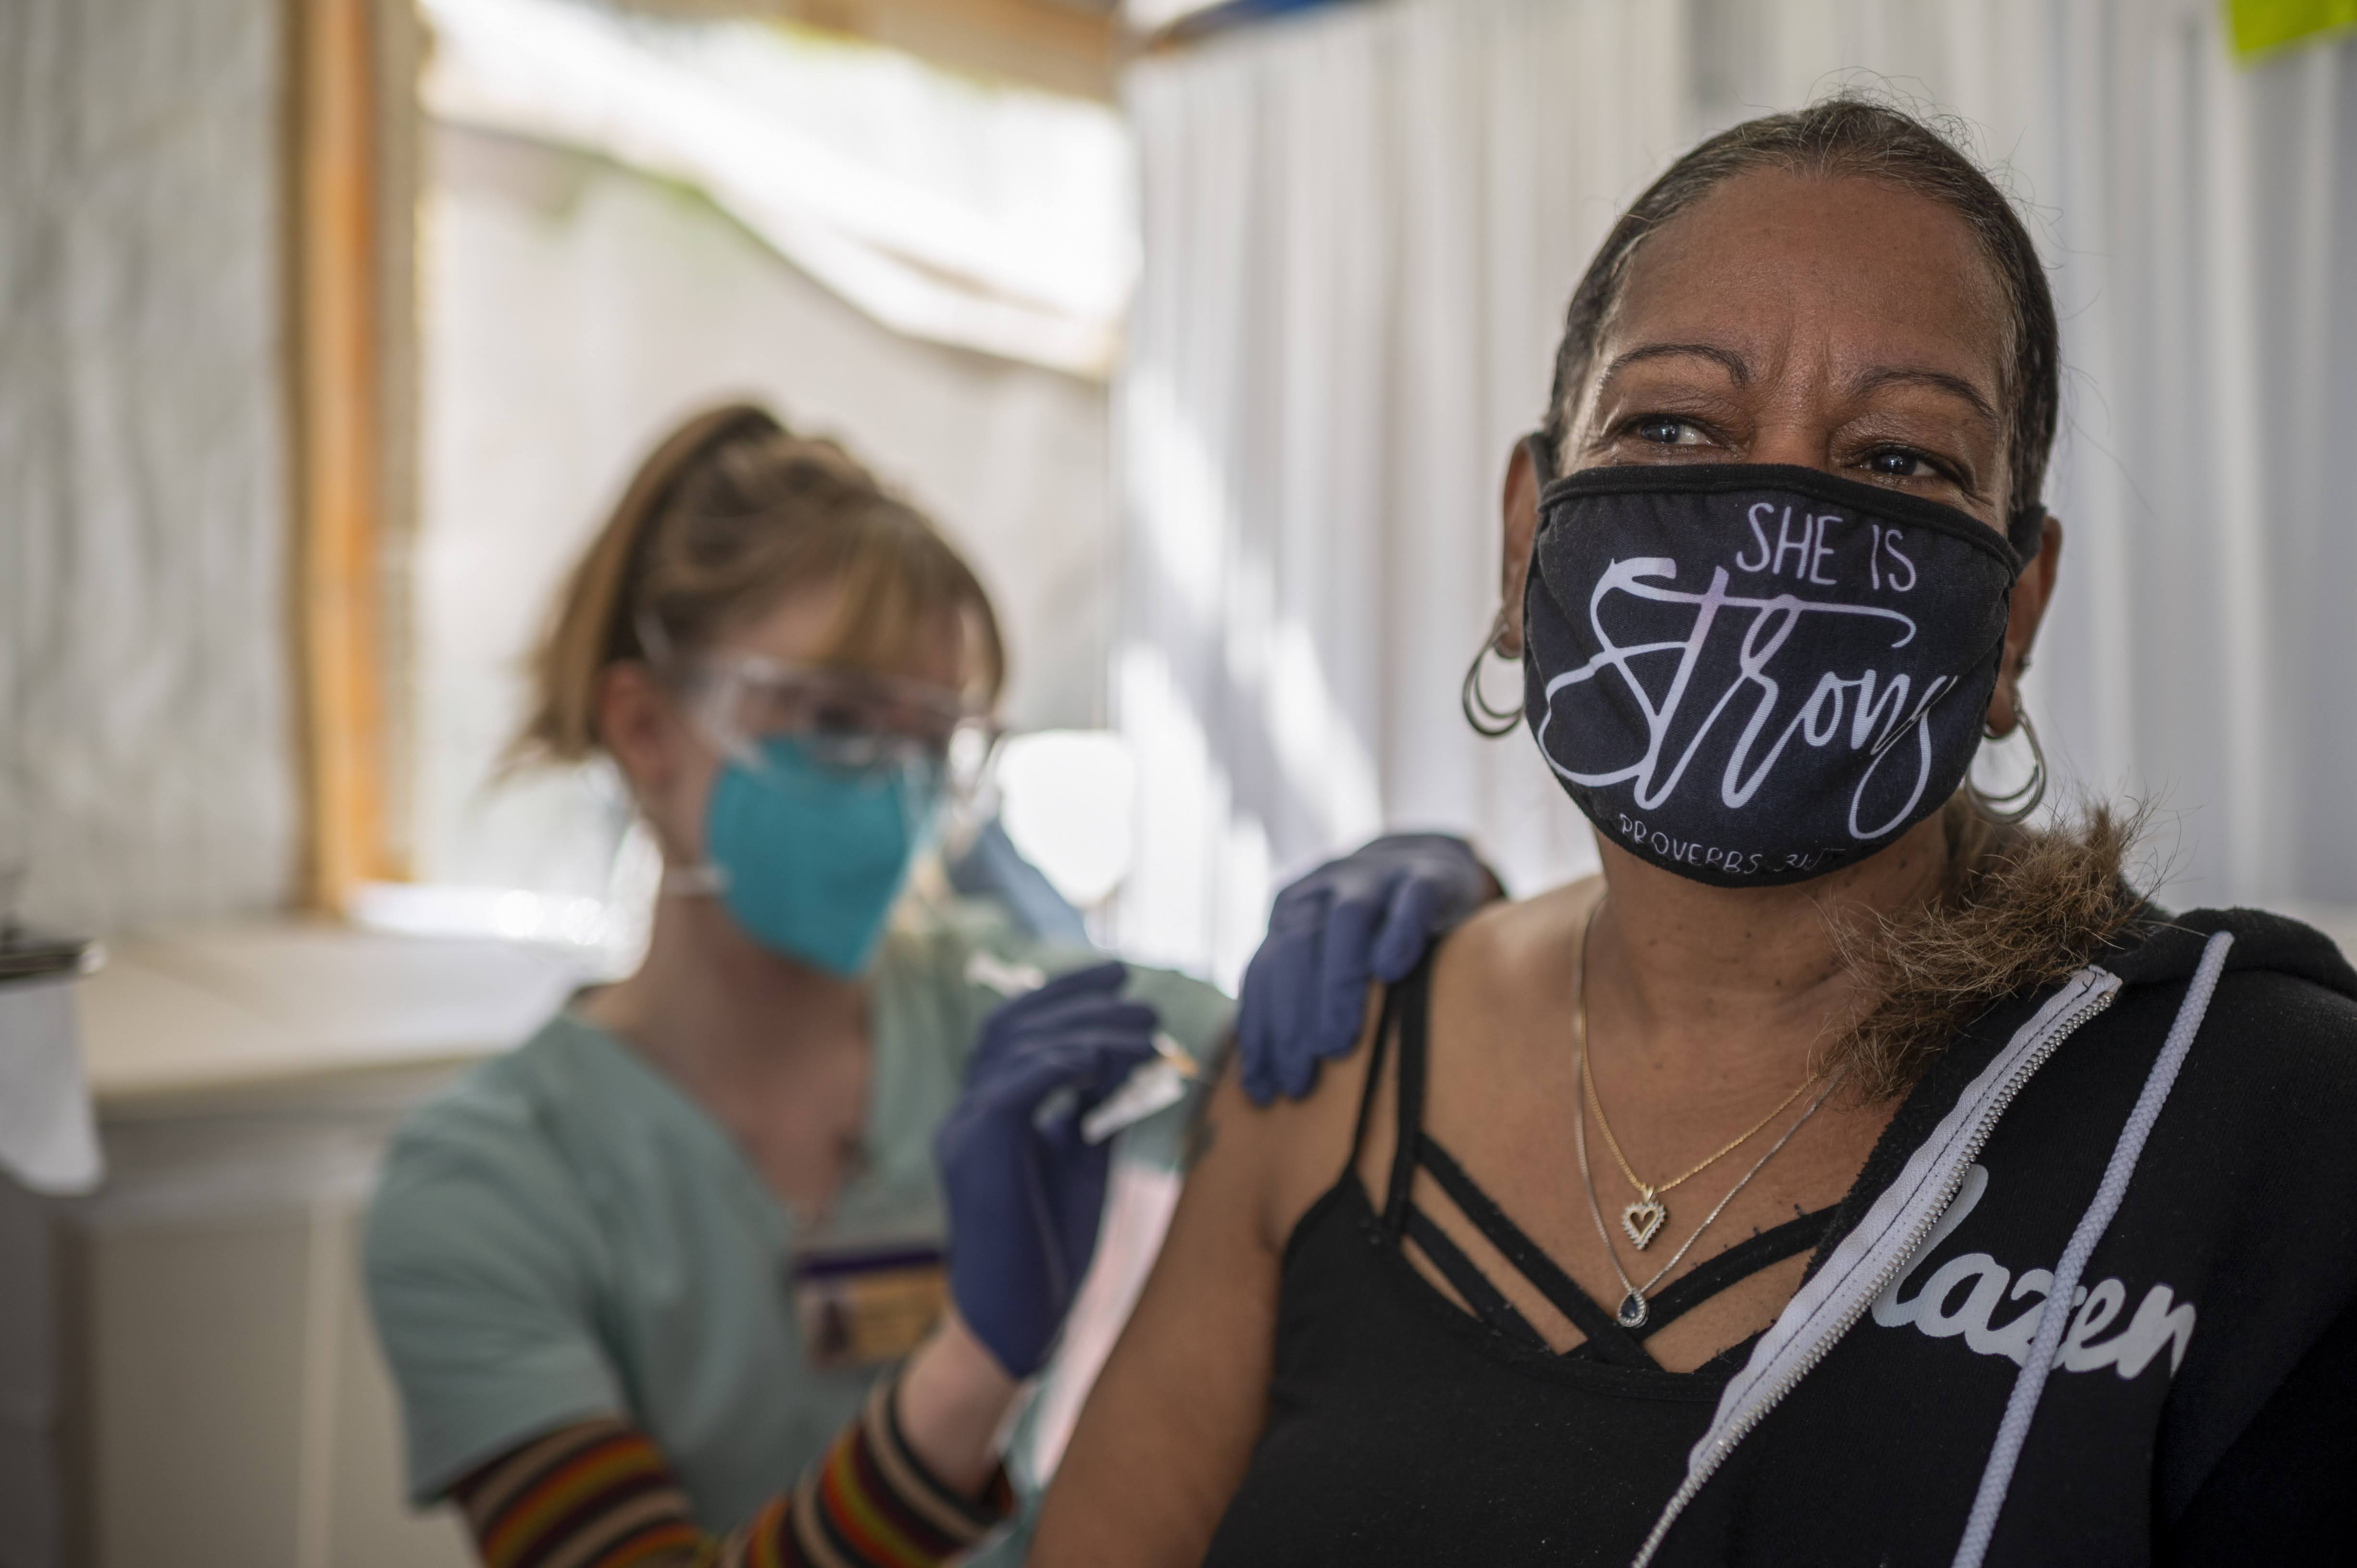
[{"x": 338, "y": 458}]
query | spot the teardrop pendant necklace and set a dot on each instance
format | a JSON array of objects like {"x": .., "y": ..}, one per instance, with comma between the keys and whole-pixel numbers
[{"x": 1635, "y": 1307}]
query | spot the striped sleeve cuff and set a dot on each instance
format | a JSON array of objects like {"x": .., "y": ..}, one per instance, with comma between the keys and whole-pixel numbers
[
  {"x": 871, "y": 1503},
  {"x": 592, "y": 1494}
]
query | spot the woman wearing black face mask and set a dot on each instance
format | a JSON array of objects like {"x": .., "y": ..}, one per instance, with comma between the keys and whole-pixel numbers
[{"x": 1710, "y": 1211}]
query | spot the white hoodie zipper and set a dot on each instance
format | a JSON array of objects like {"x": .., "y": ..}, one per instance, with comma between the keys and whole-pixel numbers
[
  {"x": 2022, "y": 1406},
  {"x": 1870, "y": 1256}
]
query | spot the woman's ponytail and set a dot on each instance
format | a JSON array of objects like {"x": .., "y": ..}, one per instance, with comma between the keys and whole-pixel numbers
[{"x": 594, "y": 623}]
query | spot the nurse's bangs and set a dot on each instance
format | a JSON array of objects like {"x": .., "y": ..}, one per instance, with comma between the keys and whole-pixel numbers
[{"x": 728, "y": 518}]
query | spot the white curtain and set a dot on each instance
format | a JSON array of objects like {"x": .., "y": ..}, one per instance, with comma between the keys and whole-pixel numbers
[
  {"x": 1361, "y": 231},
  {"x": 1340, "y": 328},
  {"x": 147, "y": 764}
]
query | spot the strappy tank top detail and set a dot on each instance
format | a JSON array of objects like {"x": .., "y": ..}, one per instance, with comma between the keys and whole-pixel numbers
[
  {"x": 1407, "y": 1016},
  {"x": 1403, "y": 1428}
]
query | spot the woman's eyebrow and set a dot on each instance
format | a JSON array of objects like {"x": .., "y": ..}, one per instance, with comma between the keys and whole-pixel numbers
[
  {"x": 1916, "y": 375},
  {"x": 1737, "y": 368}
]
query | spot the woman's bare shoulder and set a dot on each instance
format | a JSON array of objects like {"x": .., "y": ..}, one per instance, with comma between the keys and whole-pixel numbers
[
  {"x": 1512, "y": 945},
  {"x": 1278, "y": 1158},
  {"x": 1295, "y": 1150}
]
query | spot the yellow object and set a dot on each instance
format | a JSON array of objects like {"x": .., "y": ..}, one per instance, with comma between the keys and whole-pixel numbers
[{"x": 2260, "y": 26}]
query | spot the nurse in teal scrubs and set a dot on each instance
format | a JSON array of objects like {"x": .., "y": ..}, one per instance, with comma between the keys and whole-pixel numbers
[{"x": 665, "y": 1284}]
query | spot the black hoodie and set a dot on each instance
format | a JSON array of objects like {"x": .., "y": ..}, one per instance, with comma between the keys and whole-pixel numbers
[{"x": 2204, "y": 1406}]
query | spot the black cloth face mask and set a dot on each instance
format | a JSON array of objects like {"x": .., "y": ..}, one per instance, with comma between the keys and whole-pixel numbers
[{"x": 1752, "y": 674}]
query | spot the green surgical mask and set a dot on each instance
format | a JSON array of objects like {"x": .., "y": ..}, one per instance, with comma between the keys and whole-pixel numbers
[{"x": 809, "y": 857}]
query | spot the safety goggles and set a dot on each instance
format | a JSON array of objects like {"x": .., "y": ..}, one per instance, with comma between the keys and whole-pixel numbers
[{"x": 848, "y": 721}]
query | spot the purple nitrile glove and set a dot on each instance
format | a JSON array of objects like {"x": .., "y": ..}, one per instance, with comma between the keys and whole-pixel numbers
[
  {"x": 1025, "y": 1188},
  {"x": 1366, "y": 918}
]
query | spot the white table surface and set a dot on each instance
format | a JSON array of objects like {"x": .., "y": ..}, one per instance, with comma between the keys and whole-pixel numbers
[{"x": 234, "y": 1007}]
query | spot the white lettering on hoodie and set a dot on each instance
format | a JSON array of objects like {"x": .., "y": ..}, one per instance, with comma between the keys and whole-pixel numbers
[{"x": 1965, "y": 1294}]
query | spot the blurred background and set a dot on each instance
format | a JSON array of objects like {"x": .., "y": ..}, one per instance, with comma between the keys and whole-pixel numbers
[{"x": 330, "y": 327}]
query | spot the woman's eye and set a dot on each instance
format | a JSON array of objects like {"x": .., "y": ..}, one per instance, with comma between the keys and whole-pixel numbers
[
  {"x": 1896, "y": 463},
  {"x": 1662, "y": 431}
]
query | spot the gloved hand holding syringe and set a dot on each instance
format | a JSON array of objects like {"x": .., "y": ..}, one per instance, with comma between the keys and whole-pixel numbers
[
  {"x": 1150, "y": 1087},
  {"x": 1058, "y": 1071}
]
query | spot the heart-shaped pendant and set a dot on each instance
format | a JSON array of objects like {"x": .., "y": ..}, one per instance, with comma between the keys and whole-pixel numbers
[{"x": 1643, "y": 1221}]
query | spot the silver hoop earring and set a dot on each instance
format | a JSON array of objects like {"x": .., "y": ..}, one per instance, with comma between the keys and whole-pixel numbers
[
  {"x": 2015, "y": 804},
  {"x": 1487, "y": 721}
]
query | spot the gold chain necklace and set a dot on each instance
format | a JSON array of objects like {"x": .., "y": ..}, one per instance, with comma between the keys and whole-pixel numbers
[
  {"x": 1634, "y": 1307},
  {"x": 1644, "y": 1218}
]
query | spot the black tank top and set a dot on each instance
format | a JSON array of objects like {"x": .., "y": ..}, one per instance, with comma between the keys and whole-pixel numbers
[{"x": 1402, "y": 1430}]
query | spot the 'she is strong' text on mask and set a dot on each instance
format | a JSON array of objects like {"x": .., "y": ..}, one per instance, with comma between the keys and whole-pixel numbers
[{"x": 1753, "y": 674}]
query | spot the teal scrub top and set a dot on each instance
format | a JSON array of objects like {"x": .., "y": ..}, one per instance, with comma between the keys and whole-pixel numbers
[{"x": 564, "y": 1234}]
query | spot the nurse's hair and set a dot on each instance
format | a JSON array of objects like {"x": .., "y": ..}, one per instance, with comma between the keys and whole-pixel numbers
[
  {"x": 1846, "y": 135},
  {"x": 731, "y": 514}
]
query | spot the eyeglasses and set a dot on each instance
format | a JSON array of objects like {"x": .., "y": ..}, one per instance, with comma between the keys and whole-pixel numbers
[{"x": 849, "y": 720}]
